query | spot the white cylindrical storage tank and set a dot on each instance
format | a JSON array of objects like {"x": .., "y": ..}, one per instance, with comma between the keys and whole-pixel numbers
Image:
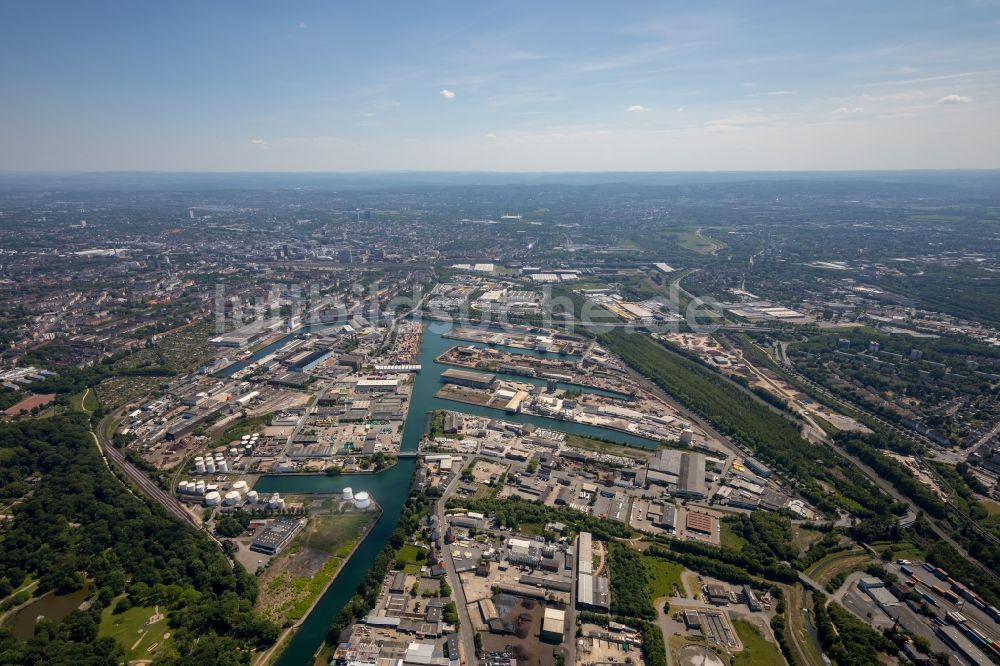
[
  {"x": 182, "y": 487},
  {"x": 686, "y": 436},
  {"x": 232, "y": 498},
  {"x": 348, "y": 494},
  {"x": 233, "y": 451},
  {"x": 362, "y": 500},
  {"x": 275, "y": 501},
  {"x": 199, "y": 465},
  {"x": 240, "y": 486},
  {"x": 252, "y": 496},
  {"x": 223, "y": 466},
  {"x": 245, "y": 438},
  {"x": 199, "y": 488},
  {"x": 212, "y": 499},
  {"x": 210, "y": 466},
  {"x": 248, "y": 449}
]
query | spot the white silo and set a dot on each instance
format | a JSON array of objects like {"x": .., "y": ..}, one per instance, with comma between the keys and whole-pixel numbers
[
  {"x": 348, "y": 494},
  {"x": 245, "y": 438},
  {"x": 233, "y": 451},
  {"x": 199, "y": 465},
  {"x": 223, "y": 466},
  {"x": 686, "y": 435},
  {"x": 240, "y": 486},
  {"x": 182, "y": 488},
  {"x": 232, "y": 498},
  {"x": 199, "y": 488},
  {"x": 210, "y": 466},
  {"x": 362, "y": 500},
  {"x": 252, "y": 496},
  {"x": 212, "y": 499}
]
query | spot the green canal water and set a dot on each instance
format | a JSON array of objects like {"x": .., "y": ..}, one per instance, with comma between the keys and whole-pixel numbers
[{"x": 391, "y": 487}]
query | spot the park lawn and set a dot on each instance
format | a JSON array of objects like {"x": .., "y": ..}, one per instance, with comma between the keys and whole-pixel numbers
[
  {"x": 131, "y": 631},
  {"x": 757, "y": 650},
  {"x": 663, "y": 576}
]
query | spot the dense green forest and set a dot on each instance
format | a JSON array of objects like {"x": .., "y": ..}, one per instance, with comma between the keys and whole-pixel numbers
[
  {"x": 846, "y": 640},
  {"x": 77, "y": 522},
  {"x": 739, "y": 415},
  {"x": 629, "y": 583}
]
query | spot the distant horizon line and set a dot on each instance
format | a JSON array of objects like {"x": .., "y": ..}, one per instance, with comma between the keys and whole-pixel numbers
[{"x": 76, "y": 172}]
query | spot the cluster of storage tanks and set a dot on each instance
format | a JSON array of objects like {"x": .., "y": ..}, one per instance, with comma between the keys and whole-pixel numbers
[
  {"x": 361, "y": 501},
  {"x": 211, "y": 464},
  {"x": 216, "y": 463},
  {"x": 236, "y": 495}
]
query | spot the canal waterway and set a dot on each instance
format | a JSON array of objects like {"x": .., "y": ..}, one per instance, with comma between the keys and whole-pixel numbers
[{"x": 391, "y": 487}]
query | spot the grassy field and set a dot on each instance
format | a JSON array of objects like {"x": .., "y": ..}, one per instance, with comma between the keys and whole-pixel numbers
[
  {"x": 804, "y": 537},
  {"x": 730, "y": 539},
  {"x": 410, "y": 555},
  {"x": 804, "y": 650},
  {"x": 663, "y": 576},
  {"x": 295, "y": 579},
  {"x": 757, "y": 650},
  {"x": 697, "y": 242},
  {"x": 609, "y": 448},
  {"x": 336, "y": 533},
  {"x": 831, "y": 565},
  {"x": 85, "y": 401},
  {"x": 992, "y": 507},
  {"x": 132, "y": 630},
  {"x": 900, "y": 549},
  {"x": 246, "y": 426}
]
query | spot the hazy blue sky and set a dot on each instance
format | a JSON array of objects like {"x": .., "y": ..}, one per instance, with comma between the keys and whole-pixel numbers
[{"x": 594, "y": 86}]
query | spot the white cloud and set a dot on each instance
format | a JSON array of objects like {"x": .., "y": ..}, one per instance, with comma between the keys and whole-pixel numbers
[
  {"x": 780, "y": 93},
  {"x": 447, "y": 94},
  {"x": 260, "y": 143},
  {"x": 490, "y": 135},
  {"x": 847, "y": 111},
  {"x": 680, "y": 109},
  {"x": 637, "y": 108},
  {"x": 303, "y": 25},
  {"x": 954, "y": 99}
]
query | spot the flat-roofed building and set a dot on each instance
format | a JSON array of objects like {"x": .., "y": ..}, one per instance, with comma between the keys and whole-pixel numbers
[
  {"x": 553, "y": 624},
  {"x": 461, "y": 377},
  {"x": 700, "y": 522},
  {"x": 275, "y": 536},
  {"x": 377, "y": 385}
]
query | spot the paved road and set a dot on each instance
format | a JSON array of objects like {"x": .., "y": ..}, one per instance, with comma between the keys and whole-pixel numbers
[{"x": 466, "y": 631}]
